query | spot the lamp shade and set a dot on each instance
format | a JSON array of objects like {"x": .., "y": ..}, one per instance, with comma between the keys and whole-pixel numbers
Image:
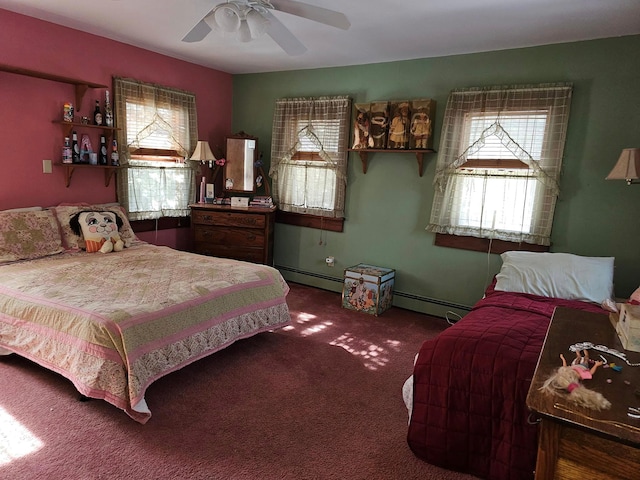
[
  {"x": 628, "y": 166},
  {"x": 202, "y": 152}
]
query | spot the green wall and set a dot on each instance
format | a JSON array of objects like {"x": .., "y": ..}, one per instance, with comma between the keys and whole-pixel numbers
[{"x": 388, "y": 208}]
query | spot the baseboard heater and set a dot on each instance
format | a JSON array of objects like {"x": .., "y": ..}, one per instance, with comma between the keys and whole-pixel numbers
[{"x": 410, "y": 296}]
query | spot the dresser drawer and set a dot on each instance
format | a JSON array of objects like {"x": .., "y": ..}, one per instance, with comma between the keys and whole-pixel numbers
[
  {"x": 238, "y": 233},
  {"x": 247, "y": 254},
  {"x": 246, "y": 237},
  {"x": 228, "y": 219}
]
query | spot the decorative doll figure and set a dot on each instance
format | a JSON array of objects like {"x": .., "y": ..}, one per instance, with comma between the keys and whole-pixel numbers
[
  {"x": 379, "y": 124},
  {"x": 398, "y": 130},
  {"x": 420, "y": 129},
  {"x": 362, "y": 129},
  {"x": 567, "y": 381}
]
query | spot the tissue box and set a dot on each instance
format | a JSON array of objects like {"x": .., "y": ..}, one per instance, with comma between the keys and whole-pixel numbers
[
  {"x": 368, "y": 288},
  {"x": 627, "y": 324}
]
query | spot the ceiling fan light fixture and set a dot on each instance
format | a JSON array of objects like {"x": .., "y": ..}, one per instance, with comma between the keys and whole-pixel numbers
[
  {"x": 244, "y": 33},
  {"x": 257, "y": 23},
  {"x": 227, "y": 17}
]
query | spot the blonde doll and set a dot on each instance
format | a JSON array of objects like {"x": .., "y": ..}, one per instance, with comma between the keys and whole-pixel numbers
[{"x": 567, "y": 379}]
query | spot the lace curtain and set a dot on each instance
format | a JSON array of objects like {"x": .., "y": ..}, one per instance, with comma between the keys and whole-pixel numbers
[
  {"x": 523, "y": 123},
  {"x": 315, "y": 184},
  {"x": 163, "y": 121}
]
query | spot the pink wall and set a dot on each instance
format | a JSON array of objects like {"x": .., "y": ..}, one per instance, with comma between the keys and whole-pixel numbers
[{"x": 28, "y": 106}]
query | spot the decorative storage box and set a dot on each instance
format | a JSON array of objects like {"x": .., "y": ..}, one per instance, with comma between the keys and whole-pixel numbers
[
  {"x": 368, "y": 288},
  {"x": 628, "y": 326}
]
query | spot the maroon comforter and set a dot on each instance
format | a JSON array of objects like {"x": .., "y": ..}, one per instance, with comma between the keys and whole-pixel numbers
[{"x": 471, "y": 384}]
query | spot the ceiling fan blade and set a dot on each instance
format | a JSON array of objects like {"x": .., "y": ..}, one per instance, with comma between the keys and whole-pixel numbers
[
  {"x": 198, "y": 32},
  {"x": 311, "y": 12},
  {"x": 283, "y": 37}
]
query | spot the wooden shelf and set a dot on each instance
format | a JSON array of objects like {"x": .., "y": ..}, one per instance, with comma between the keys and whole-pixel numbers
[
  {"x": 81, "y": 86},
  {"x": 364, "y": 155},
  {"x": 68, "y": 127},
  {"x": 109, "y": 171}
]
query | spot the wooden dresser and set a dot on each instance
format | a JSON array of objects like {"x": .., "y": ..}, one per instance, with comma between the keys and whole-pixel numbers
[
  {"x": 577, "y": 443},
  {"x": 238, "y": 233}
]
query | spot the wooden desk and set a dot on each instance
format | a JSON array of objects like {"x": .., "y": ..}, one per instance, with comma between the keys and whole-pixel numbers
[{"x": 576, "y": 442}]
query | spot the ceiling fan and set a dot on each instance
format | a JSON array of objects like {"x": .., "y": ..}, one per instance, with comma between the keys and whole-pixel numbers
[{"x": 251, "y": 18}]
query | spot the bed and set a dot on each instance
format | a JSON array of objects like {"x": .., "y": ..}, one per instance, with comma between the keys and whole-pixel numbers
[
  {"x": 467, "y": 394},
  {"x": 113, "y": 323}
]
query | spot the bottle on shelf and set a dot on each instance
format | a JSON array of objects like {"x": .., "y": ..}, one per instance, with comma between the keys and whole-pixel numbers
[
  {"x": 108, "y": 112},
  {"x": 66, "y": 151},
  {"x": 115, "y": 156},
  {"x": 102, "y": 155},
  {"x": 97, "y": 114},
  {"x": 68, "y": 113},
  {"x": 75, "y": 149}
]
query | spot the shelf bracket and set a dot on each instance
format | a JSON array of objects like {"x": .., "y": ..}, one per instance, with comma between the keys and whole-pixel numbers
[
  {"x": 419, "y": 158},
  {"x": 108, "y": 174},
  {"x": 81, "y": 89},
  {"x": 363, "y": 159},
  {"x": 69, "y": 169}
]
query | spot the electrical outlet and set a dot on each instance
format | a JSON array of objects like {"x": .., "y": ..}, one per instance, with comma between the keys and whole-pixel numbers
[
  {"x": 331, "y": 262},
  {"x": 46, "y": 166}
]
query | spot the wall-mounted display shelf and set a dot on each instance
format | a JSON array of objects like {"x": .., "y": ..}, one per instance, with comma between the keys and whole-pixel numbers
[
  {"x": 81, "y": 86},
  {"x": 364, "y": 155},
  {"x": 67, "y": 128},
  {"x": 109, "y": 171}
]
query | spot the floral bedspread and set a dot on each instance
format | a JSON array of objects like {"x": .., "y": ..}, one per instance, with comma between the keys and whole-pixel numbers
[{"x": 114, "y": 323}]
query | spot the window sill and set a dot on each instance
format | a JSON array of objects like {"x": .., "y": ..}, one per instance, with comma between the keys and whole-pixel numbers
[
  {"x": 164, "y": 223},
  {"x": 310, "y": 221},
  {"x": 482, "y": 244}
]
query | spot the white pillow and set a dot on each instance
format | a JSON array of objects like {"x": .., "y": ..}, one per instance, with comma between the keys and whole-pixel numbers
[{"x": 557, "y": 275}]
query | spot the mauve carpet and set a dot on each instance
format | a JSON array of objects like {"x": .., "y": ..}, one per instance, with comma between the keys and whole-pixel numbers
[{"x": 318, "y": 400}]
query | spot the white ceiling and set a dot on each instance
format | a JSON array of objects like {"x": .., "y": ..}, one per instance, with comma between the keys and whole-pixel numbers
[{"x": 381, "y": 30}]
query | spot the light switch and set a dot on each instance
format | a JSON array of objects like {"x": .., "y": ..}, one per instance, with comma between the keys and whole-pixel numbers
[{"x": 46, "y": 166}]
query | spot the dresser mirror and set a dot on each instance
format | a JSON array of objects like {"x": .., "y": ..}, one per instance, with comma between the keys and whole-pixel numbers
[{"x": 239, "y": 169}]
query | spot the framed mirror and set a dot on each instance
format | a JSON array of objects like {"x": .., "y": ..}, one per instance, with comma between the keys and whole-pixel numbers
[{"x": 239, "y": 170}]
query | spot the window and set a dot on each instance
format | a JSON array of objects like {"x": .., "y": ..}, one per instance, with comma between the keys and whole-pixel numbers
[
  {"x": 157, "y": 131},
  {"x": 309, "y": 155},
  {"x": 499, "y": 164}
]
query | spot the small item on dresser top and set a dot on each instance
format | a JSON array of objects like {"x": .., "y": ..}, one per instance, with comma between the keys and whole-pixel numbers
[
  {"x": 241, "y": 202},
  {"x": 567, "y": 381},
  {"x": 203, "y": 189}
]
